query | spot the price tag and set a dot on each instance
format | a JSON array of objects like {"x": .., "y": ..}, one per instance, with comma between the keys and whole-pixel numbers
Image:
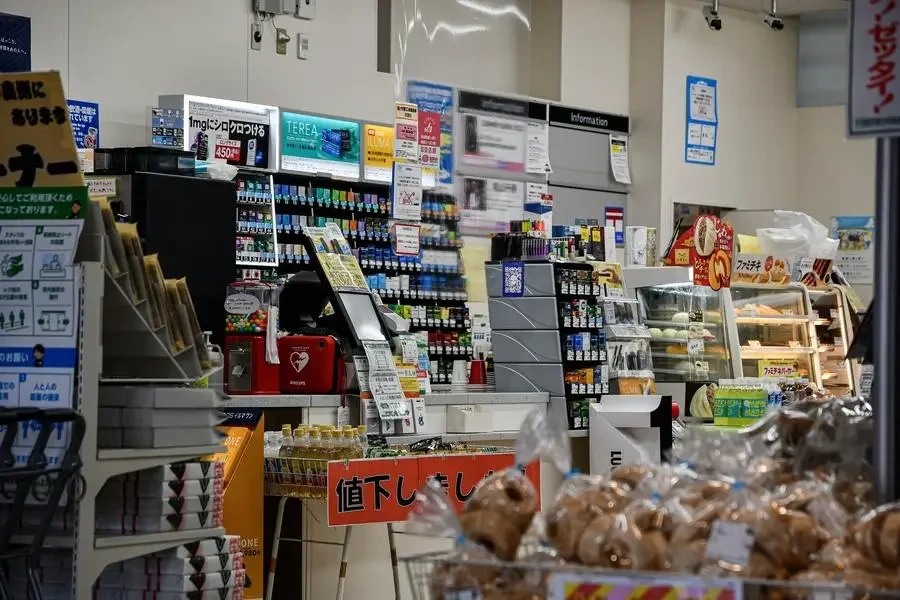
[
  {"x": 695, "y": 346},
  {"x": 730, "y": 542}
]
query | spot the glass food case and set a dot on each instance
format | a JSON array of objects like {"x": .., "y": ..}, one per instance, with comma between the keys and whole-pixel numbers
[
  {"x": 834, "y": 334},
  {"x": 688, "y": 337},
  {"x": 776, "y": 331}
]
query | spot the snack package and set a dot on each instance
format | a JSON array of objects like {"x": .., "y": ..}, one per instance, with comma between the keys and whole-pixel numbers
[{"x": 134, "y": 256}]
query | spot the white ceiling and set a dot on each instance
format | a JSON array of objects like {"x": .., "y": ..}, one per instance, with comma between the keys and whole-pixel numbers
[{"x": 787, "y": 7}]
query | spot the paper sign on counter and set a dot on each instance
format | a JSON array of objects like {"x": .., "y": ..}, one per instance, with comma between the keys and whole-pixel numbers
[{"x": 384, "y": 383}]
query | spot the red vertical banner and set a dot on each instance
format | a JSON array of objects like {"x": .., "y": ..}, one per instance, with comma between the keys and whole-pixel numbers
[{"x": 429, "y": 139}]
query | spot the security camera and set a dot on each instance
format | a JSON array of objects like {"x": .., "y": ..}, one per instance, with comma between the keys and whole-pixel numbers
[
  {"x": 711, "y": 14},
  {"x": 774, "y": 21}
]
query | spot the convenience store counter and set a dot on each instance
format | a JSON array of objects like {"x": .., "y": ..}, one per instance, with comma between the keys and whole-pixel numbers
[{"x": 369, "y": 562}]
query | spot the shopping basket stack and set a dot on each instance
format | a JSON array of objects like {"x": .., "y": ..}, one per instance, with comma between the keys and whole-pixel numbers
[{"x": 31, "y": 481}]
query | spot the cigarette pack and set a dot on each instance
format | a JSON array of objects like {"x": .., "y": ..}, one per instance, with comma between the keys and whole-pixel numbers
[{"x": 129, "y": 524}]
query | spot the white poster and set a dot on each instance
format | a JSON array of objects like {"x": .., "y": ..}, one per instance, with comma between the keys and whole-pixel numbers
[
  {"x": 406, "y": 192},
  {"x": 39, "y": 311},
  {"x": 856, "y": 248},
  {"x": 538, "y": 149},
  {"x": 406, "y": 132},
  {"x": 488, "y": 205},
  {"x": 494, "y": 143},
  {"x": 239, "y": 134},
  {"x": 406, "y": 239},
  {"x": 618, "y": 158}
]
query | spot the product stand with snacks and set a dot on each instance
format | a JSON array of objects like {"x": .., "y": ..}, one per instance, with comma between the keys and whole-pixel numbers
[
  {"x": 132, "y": 376},
  {"x": 833, "y": 321}
]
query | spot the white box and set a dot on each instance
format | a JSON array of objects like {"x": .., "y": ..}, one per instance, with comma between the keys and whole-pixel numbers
[{"x": 469, "y": 418}]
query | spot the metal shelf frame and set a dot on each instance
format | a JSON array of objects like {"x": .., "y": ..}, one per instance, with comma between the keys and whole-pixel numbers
[{"x": 93, "y": 552}]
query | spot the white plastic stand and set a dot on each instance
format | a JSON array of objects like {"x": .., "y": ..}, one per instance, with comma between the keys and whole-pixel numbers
[
  {"x": 623, "y": 432},
  {"x": 108, "y": 317}
]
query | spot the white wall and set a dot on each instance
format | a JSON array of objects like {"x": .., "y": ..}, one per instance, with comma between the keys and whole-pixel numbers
[
  {"x": 124, "y": 54},
  {"x": 594, "y": 71},
  {"x": 836, "y": 176},
  {"x": 757, "y": 157}
]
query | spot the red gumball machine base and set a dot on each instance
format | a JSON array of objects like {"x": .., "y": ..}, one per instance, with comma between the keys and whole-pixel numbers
[{"x": 246, "y": 368}]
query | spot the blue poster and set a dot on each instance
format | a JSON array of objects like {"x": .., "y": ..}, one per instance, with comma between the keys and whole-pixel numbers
[
  {"x": 432, "y": 97},
  {"x": 85, "y": 117},
  {"x": 702, "y": 121},
  {"x": 15, "y": 43}
]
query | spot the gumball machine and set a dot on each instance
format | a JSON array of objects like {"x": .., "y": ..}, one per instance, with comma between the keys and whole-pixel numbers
[{"x": 251, "y": 324}]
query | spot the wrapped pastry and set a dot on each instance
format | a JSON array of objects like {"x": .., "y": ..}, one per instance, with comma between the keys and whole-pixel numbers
[
  {"x": 472, "y": 565},
  {"x": 876, "y": 536},
  {"x": 509, "y": 493}
]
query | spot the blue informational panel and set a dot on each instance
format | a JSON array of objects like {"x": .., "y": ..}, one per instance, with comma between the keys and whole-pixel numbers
[
  {"x": 15, "y": 43},
  {"x": 432, "y": 97},
  {"x": 85, "y": 117},
  {"x": 702, "y": 120}
]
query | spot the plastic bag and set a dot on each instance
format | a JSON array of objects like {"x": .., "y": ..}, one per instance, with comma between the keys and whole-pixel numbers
[
  {"x": 501, "y": 509},
  {"x": 433, "y": 515},
  {"x": 820, "y": 245},
  {"x": 221, "y": 171}
]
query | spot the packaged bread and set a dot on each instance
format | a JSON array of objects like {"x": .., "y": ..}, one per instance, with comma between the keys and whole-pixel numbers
[
  {"x": 134, "y": 256},
  {"x": 502, "y": 507},
  {"x": 876, "y": 536},
  {"x": 472, "y": 565}
]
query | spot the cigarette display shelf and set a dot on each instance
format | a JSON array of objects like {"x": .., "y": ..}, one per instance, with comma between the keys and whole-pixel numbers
[
  {"x": 118, "y": 346},
  {"x": 256, "y": 238}
]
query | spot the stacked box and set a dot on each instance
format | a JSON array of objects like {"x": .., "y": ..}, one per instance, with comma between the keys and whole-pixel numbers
[
  {"x": 144, "y": 417},
  {"x": 211, "y": 569},
  {"x": 175, "y": 497}
]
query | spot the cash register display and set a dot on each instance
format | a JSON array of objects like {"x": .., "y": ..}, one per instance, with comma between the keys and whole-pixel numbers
[{"x": 363, "y": 318}]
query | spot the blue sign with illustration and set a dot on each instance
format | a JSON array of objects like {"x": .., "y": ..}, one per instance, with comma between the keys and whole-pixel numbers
[
  {"x": 701, "y": 129},
  {"x": 85, "y": 118},
  {"x": 432, "y": 97},
  {"x": 513, "y": 279},
  {"x": 15, "y": 43}
]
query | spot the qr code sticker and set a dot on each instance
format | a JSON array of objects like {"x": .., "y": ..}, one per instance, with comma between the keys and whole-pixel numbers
[{"x": 513, "y": 279}]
